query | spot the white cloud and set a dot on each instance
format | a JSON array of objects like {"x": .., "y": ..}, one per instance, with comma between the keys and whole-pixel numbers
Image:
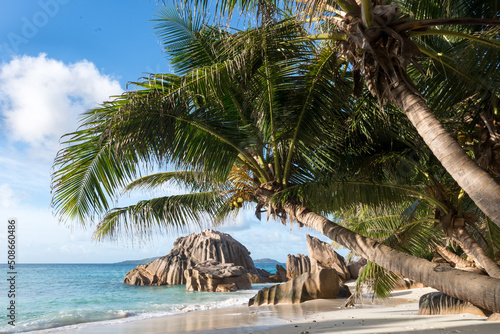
[
  {"x": 7, "y": 197},
  {"x": 41, "y": 239},
  {"x": 41, "y": 98}
]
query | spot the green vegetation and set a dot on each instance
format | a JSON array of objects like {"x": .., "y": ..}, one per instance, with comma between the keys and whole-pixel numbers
[{"x": 276, "y": 117}]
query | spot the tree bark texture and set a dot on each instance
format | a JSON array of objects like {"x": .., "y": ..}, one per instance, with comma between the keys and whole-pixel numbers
[
  {"x": 476, "y": 182},
  {"x": 480, "y": 290},
  {"x": 471, "y": 247},
  {"x": 453, "y": 258}
]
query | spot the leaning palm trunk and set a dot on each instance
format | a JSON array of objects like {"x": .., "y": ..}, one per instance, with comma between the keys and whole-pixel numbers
[
  {"x": 476, "y": 182},
  {"x": 451, "y": 257},
  {"x": 480, "y": 290},
  {"x": 471, "y": 247}
]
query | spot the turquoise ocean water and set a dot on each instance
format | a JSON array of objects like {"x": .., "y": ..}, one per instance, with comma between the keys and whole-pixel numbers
[{"x": 54, "y": 295}]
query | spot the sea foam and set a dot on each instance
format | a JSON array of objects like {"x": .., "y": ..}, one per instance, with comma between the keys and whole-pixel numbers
[{"x": 58, "y": 297}]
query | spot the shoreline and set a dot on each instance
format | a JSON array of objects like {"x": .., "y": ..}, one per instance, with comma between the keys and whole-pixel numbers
[{"x": 397, "y": 314}]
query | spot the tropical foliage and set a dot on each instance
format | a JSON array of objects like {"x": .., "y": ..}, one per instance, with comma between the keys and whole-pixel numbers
[
  {"x": 237, "y": 118},
  {"x": 384, "y": 42},
  {"x": 275, "y": 117}
]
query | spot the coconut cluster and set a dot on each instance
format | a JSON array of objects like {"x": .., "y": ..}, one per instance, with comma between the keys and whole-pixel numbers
[{"x": 237, "y": 203}]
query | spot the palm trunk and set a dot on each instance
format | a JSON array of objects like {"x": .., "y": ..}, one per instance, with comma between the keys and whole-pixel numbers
[
  {"x": 480, "y": 290},
  {"x": 472, "y": 248},
  {"x": 476, "y": 182},
  {"x": 453, "y": 258}
]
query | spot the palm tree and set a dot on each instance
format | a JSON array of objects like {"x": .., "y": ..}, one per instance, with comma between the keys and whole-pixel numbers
[
  {"x": 380, "y": 41},
  {"x": 246, "y": 121},
  {"x": 446, "y": 204},
  {"x": 411, "y": 228},
  {"x": 393, "y": 155},
  {"x": 407, "y": 227}
]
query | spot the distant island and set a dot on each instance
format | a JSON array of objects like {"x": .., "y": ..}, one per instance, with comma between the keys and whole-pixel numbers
[
  {"x": 266, "y": 260},
  {"x": 137, "y": 262}
]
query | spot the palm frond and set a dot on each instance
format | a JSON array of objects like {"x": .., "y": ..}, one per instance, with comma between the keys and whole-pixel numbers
[
  {"x": 193, "y": 180},
  {"x": 378, "y": 280},
  {"x": 187, "y": 38},
  {"x": 333, "y": 196},
  {"x": 458, "y": 71},
  {"x": 406, "y": 227},
  {"x": 105, "y": 154},
  {"x": 168, "y": 124},
  {"x": 492, "y": 235},
  {"x": 319, "y": 116},
  {"x": 433, "y": 9},
  {"x": 163, "y": 214},
  {"x": 88, "y": 173}
]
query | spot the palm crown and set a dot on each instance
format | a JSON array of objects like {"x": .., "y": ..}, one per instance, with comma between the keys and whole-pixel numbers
[{"x": 246, "y": 112}]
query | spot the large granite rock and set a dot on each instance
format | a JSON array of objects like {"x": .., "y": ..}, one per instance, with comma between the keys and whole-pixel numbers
[
  {"x": 276, "y": 279},
  {"x": 344, "y": 291},
  {"x": 165, "y": 270},
  {"x": 214, "y": 276},
  {"x": 355, "y": 267},
  {"x": 187, "y": 253},
  {"x": 323, "y": 255},
  {"x": 323, "y": 284},
  {"x": 435, "y": 303},
  {"x": 259, "y": 276},
  {"x": 281, "y": 272},
  {"x": 297, "y": 265}
]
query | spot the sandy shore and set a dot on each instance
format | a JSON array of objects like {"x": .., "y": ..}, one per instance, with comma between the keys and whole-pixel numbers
[{"x": 397, "y": 315}]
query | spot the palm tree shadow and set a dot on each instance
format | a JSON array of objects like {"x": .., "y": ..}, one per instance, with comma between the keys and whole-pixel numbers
[{"x": 392, "y": 326}]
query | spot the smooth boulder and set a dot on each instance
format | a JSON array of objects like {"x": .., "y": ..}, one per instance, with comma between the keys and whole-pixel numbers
[
  {"x": 323, "y": 284},
  {"x": 344, "y": 291},
  {"x": 165, "y": 270},
  {"x": 260, "y": 276},
  {"x": 435, "y": 303}
]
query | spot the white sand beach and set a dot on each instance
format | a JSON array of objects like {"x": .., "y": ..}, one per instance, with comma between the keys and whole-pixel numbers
[{"x": 397, "y": 314}]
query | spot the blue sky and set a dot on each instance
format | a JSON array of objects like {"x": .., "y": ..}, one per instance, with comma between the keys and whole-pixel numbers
[{"x": 59, "y": 58}]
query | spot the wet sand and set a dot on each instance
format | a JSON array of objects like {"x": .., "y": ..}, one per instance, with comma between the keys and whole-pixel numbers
[{"x": 397, "y": 315}]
